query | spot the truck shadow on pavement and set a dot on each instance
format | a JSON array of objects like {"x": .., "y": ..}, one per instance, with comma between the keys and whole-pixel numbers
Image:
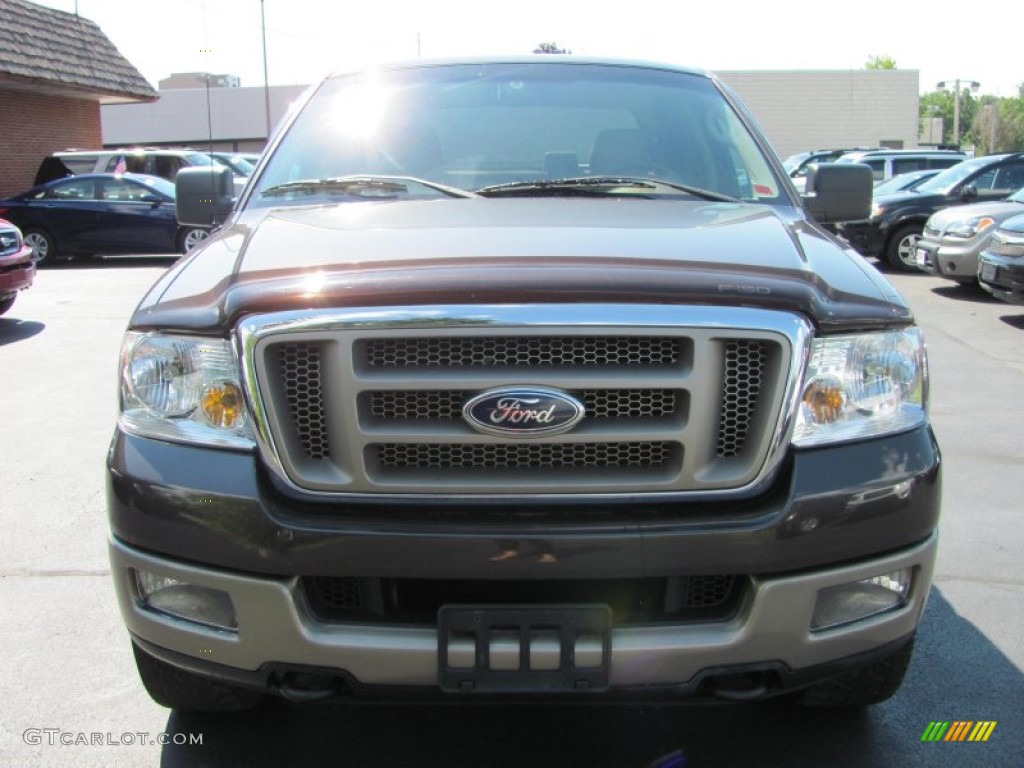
[
  {"x": 13, "y": 329},
  {"x": 1014, "y": 321},
  {"x": 966, "y": 292},
  {"x": 113, "y": 262},
  {"x": 956, "y": 674}
]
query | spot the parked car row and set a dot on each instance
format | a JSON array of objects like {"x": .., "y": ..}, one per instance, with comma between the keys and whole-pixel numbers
[
  {"x": 112, "y": 201},
  {"x": 885, "y": 164},
  {"x": 936, "y": 211},
  {"x": 100, "y": 213},
  {"x": 894, "y": 229}
]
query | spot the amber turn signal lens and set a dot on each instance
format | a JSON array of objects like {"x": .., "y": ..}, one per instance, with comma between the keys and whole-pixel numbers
[
  {"x": 222, "y": 404},
  {"x": 824, "y": 399}
]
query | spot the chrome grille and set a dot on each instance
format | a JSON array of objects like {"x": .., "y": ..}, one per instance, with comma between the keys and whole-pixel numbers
[
  {"x": 300, "y": 371},
  {"x": 522, "y": 351},
  {"x": 441, "y": 405},
  {"x": 357, "y": 407},
  {"x": 745, "y": 363}
]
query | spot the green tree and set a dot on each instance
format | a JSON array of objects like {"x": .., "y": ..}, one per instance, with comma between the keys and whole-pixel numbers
[
  {"x": 550, "y": 48},
  {"x": 1003, "y": 121},
  {"x": 943, "y": 104},
  {"x": 880, "y": 62}
]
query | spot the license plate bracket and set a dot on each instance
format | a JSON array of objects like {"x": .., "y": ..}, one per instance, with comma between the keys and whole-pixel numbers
[
  {"x": 524, "y": 649},
  {"x": 988, "y": 272}
]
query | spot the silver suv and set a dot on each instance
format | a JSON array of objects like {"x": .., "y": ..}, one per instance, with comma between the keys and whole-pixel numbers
[
  {"x": 886, "y": 163},
  {"x": 155, "y": 162}
]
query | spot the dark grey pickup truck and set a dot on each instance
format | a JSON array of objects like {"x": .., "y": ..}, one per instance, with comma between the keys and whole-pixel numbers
[{"x": 522, "y": 378}]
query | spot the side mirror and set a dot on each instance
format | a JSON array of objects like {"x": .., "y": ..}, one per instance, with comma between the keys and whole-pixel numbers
[
  {"x": 838, "y": 191},
  {"x": 204, "y": 196},
  {"x": 968, "y": 192},
  {"x": 153, "y": 200}
]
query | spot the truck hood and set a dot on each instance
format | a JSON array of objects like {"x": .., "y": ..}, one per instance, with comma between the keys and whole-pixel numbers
[{"x": 487, "y": 250}]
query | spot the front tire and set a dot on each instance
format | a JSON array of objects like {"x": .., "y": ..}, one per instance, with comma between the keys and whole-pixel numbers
[
  {"x": 901, "y": 249},
  {"x": 175, "y": 688},
  {"x": 44, "y": 249},
  {"x": 871, "y": 684},
  {"x": 7, "y": 302}
]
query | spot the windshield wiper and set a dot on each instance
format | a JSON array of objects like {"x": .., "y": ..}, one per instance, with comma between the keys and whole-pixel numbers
[
  {"x": 596, "y": 185},
  {"x": 584, "y": 184},
  {"x": 363, "y": 186}
]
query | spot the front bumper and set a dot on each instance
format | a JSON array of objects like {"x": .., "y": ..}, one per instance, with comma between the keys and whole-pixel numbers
[
  {"x": 954, "y": 261},
  {"x": 1002, "y": 276},
  {"x": 16, "y": 273},
  {"x": 211, "y": 518},
  {"x": 277, "y": 631},
  {"x": 867, "y": 237}
]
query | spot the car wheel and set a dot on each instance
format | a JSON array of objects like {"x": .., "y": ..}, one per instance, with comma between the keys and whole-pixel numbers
[
  {"x": 172, "y": 687},
  {"x": 7, "y": 302},
  {"x": 44, "y": 250},
  {"x": 191, "y": 237},
  {"x": 871, "y": 684},
  {"x": 901, "y": 251}
]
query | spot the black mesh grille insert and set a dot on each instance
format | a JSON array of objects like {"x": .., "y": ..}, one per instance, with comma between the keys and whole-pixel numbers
[
  {"x": 301, "y": 368},
  {"x": 519, "y": 351},
  {"x": 470, "y": 456},
  {"x": 446, "y": 405},
  {"x": 633, "y": 601},
  {"x": 745, "y": 366}
]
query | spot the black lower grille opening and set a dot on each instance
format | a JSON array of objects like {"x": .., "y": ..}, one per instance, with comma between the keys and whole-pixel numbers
[
  {"x": 532, "y": 456},
  {"x": 633, "y": 601}
]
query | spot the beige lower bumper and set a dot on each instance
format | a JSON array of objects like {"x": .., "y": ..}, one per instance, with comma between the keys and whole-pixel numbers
[{"x": 275, "y": 626}]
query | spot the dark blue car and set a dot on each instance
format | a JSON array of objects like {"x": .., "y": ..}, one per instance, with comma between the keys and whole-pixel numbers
[{"x": 100, "y": 214}]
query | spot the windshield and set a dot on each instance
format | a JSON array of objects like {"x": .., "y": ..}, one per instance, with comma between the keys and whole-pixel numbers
[
  {"x": 793, "y": 162},
  {"x": 236, "y": 163},
  {"x": 160, "y": 185},
  {"x": 903, "y": 181},
  {"x": 477, "y": 126},
  {"x": 945, "y": 182},
  {"x": 199, "y": 158}
]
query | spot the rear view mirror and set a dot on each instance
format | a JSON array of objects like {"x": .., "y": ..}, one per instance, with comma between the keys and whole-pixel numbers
[
  {"x": 838, "y": 191},
  {"x": 204, "y": 196}
]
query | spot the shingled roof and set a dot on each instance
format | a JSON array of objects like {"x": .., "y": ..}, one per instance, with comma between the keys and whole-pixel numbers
[{"x": 52, "y": 50}]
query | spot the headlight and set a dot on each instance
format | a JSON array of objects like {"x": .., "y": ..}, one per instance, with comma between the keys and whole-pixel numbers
[
  {"x": 862, "y": 386},
  {"x": 877, "y": 210},
  {"x": 184, "y": 389},
  {"x": 969, "y": 227}
]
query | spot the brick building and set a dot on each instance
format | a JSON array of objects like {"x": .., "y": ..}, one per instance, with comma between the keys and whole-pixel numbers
[{"x": 56, "y": 69}]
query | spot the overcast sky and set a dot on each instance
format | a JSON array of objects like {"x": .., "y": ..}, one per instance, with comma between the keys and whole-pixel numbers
[{"x": 306, "y": 38}]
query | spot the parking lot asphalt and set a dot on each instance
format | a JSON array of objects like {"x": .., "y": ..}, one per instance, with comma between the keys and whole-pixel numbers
[{"x": 70, "y": 676}]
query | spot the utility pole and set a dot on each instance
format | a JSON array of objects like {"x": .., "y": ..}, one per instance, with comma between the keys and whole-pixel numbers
[
  {"x": 266, "y": 79},
  {"x": 973, "y": 85}
]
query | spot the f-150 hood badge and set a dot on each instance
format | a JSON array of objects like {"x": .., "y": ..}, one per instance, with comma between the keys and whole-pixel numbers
[{"x": 523, "y": 412}]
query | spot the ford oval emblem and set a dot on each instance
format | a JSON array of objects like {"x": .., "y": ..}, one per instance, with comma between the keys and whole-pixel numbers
[{"x": 523, "y": 412}]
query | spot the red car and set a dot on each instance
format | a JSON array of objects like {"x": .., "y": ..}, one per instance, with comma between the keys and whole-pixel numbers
[{"x": 17, "y": 268}]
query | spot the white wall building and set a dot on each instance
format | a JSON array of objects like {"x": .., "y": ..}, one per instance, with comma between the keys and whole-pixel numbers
[{"x": 802, "y": 110}]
